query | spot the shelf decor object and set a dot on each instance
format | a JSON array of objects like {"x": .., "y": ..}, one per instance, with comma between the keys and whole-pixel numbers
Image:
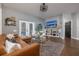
[
  {"x": 10, "y": 21},
  {"x": 59, "y": 26}
]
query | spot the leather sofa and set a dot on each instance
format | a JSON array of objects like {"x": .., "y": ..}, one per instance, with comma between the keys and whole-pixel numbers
[
  {"x": 27, "y": 39},
  {"x": 26, "y": 50}
]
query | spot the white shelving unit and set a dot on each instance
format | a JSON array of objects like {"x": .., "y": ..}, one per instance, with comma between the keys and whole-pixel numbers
[{"x": 52, "y": 32}]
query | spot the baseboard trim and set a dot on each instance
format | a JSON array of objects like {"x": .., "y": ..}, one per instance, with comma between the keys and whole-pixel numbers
[{"x": 77, "y": 38}]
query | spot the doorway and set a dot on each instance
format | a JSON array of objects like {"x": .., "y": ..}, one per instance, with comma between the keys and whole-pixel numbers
[
  {"x": 68, "y": 29},
  {"x": 26, "y": 28}
]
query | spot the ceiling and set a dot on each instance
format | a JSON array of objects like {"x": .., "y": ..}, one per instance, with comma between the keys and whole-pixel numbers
[{"x": 54, "y": 9}]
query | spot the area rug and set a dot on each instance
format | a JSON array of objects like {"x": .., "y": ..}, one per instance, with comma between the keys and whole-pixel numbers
[{"x": 50, "y": 48}]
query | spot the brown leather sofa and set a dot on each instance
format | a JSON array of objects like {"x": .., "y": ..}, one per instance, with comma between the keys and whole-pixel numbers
[
  {"x": 26, "y": 50},
  {"x": 27, "y": 39}
]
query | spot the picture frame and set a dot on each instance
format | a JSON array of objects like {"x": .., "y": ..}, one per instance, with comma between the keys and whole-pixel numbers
[{"x": 10, "y": 21}]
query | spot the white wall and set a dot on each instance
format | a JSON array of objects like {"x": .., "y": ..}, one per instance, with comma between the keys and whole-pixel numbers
[
  {"x": 74, "y": 26},
  {"x": 61, "y": 22},
  {"x": 0, "y": 19},
  {"x": 77, "y": 23},
  {"x": 7, "y": 12}
]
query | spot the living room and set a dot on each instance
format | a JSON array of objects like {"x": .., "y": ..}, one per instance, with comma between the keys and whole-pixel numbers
[{"x": 42, "y": 27}]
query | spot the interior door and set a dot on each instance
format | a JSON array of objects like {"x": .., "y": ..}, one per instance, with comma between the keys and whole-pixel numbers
[
  {"x": 68, "y": 29},
  {"x": 31, "y": 28},
  {"x": 23, "y": 28},
  {"x": 26, "y": 28}
]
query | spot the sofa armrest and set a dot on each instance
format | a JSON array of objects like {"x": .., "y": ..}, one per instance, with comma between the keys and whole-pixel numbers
[
  {"x": 2, "y": 51},
  {"x": 31, "y": 50}
]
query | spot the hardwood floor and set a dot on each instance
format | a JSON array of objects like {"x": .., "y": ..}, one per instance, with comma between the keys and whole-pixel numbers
[{"x": 71, "y": 47}]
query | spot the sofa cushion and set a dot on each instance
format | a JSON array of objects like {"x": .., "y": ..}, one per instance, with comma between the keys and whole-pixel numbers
[{"x": 10, "y": 46}]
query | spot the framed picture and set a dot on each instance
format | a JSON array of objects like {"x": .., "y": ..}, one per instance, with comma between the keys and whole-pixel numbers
[{"x": 10, "y": 21}]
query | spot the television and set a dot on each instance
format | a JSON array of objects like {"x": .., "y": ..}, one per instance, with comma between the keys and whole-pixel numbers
[{"x": 51, "y": 24}]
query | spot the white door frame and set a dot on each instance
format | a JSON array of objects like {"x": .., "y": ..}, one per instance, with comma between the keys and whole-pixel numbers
[
  {"x": 27, "y": 25},
  {"x": 33, "y": 27},
  {"x": 20, "y": 22}
]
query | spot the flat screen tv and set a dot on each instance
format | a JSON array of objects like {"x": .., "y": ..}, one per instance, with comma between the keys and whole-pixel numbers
[{"x": 51, "y": 24}]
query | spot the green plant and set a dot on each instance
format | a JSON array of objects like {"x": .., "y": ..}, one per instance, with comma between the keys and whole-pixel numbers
[{"x": 39, "y": 28}]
